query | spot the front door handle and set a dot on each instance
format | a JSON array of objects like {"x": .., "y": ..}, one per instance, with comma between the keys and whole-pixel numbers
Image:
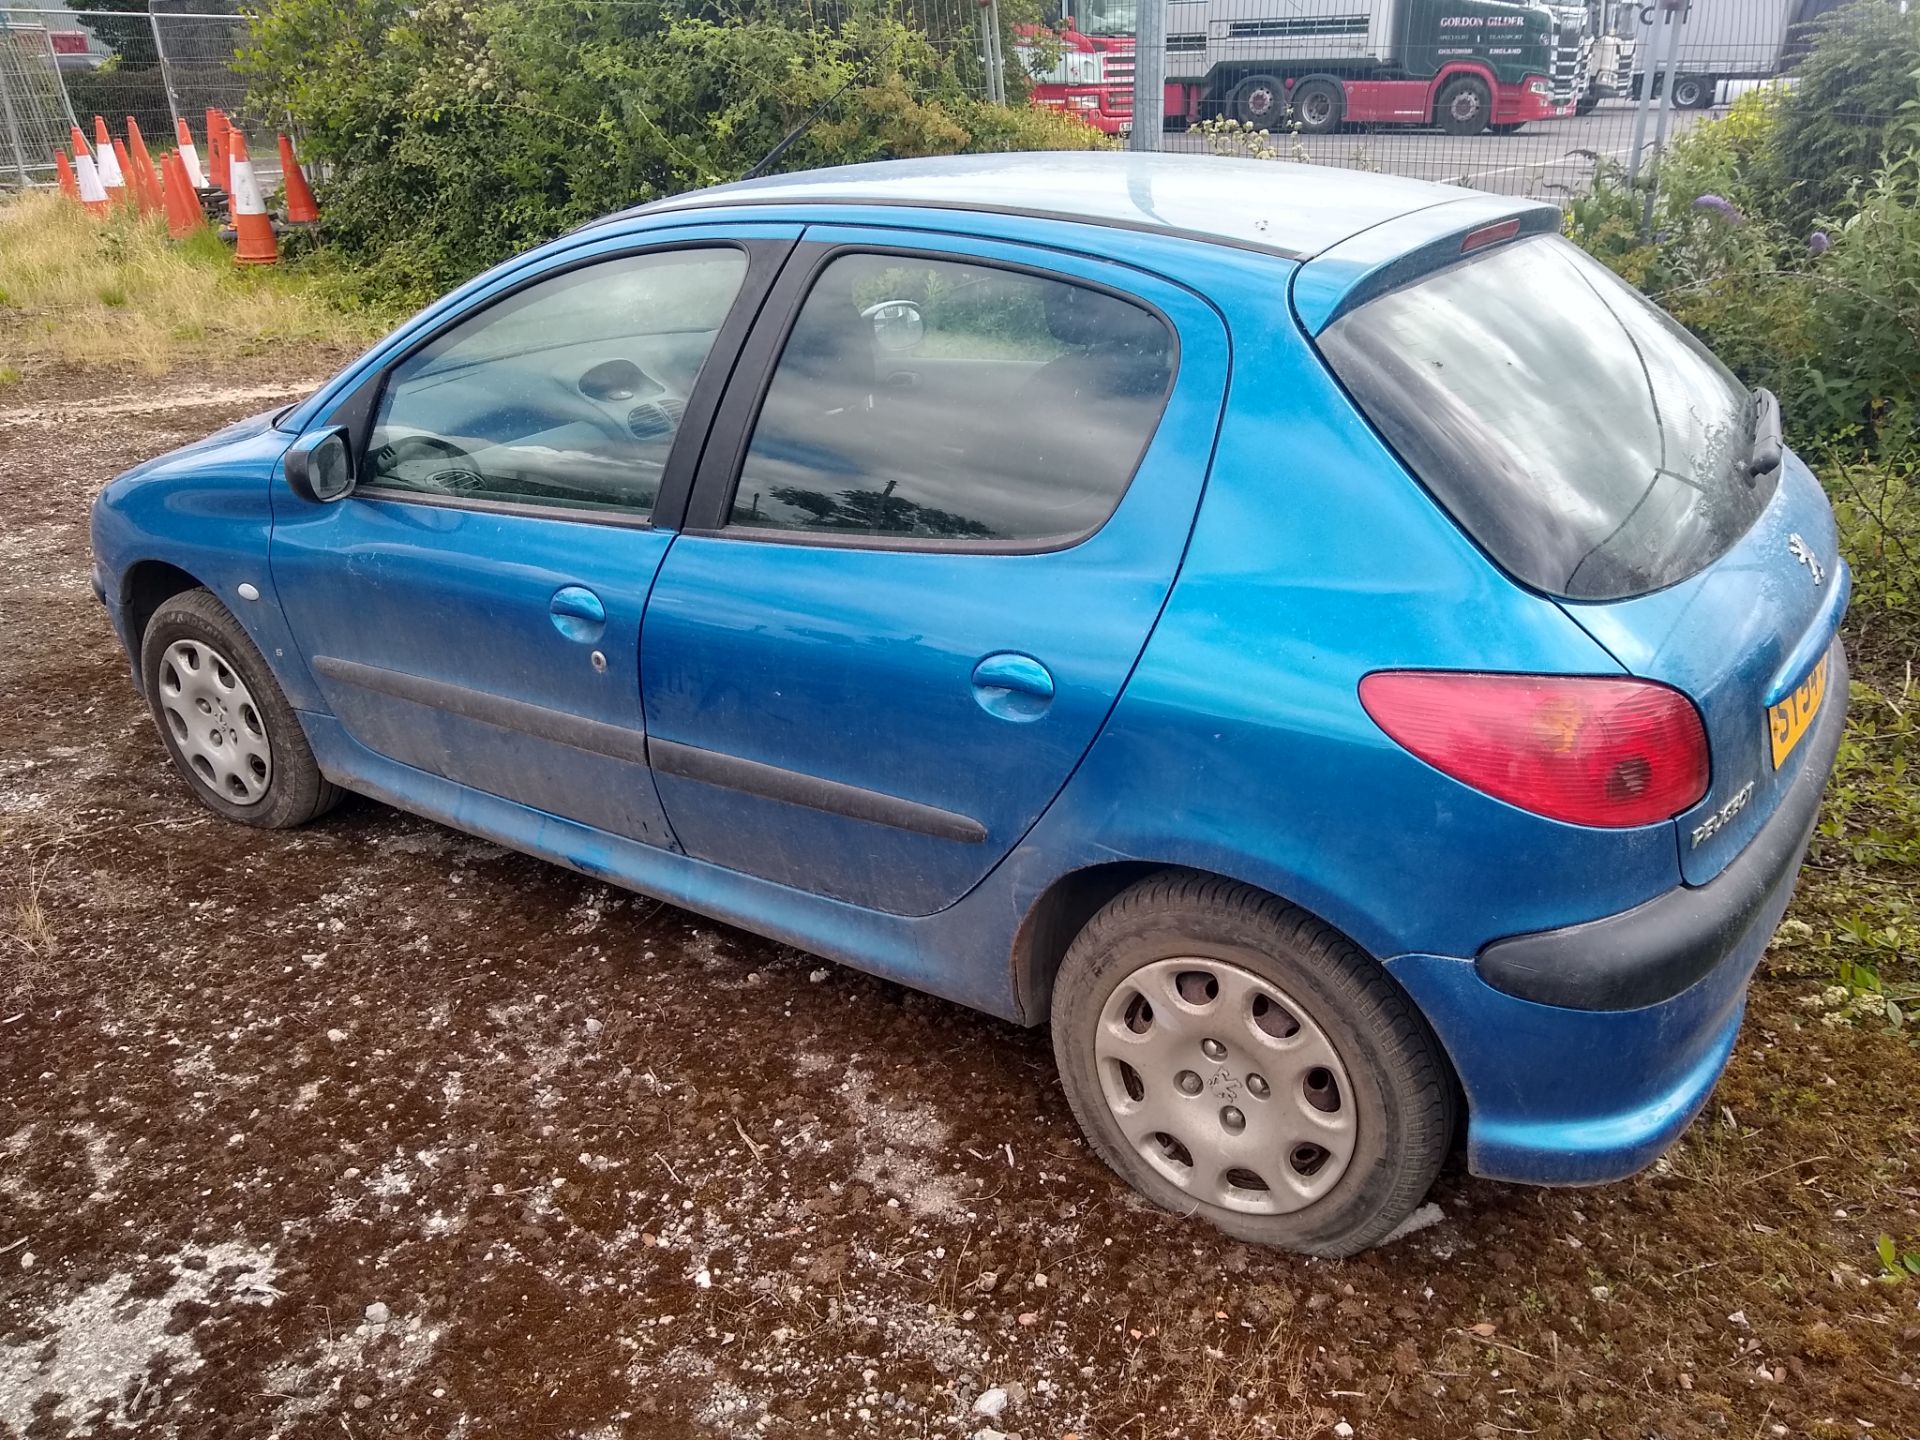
[
  {"x": 578, "y": 614},
  {"x": 1013, "y": 686}
]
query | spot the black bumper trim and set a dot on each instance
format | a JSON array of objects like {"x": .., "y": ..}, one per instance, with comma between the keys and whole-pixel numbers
[{"x": 1655, "y": 951}]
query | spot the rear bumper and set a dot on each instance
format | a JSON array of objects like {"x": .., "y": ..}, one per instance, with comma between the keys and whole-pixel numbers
[{"x": 1585, "y": 1051}]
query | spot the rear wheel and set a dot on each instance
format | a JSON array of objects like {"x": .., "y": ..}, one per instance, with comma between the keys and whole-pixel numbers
[
  {"x": 1693, "y": 92},
  {"x": 1261, "y": 101},
  {"x": 1465, "y": 106},
  {"x": 1229, "y": 1055},
  {"x": 227, "y": 727},
  {"x": 1318, "y": 106}
]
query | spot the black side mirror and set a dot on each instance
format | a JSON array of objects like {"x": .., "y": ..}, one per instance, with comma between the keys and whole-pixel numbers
[{"x": 319, "y": 465}]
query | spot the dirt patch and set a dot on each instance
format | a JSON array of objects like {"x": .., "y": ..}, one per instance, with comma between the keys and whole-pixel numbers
[{"x": 374, "y": 1129}]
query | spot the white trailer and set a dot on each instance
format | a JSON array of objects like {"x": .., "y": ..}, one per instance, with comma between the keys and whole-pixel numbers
[{"x": 1722, "y": 40}]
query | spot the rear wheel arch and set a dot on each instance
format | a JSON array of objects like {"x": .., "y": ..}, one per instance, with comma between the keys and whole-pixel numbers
[{"x": 1055, "y": 920}]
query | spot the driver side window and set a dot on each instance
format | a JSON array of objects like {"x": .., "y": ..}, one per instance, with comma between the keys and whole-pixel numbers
[{"x": 567, "y": 393}]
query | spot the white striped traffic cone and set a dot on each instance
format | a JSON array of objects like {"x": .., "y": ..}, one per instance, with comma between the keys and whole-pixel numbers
[
  {"x": 189, "y": 156},
  {"x": 252, "y": 230},
  {"x": 93, "y": 194}
]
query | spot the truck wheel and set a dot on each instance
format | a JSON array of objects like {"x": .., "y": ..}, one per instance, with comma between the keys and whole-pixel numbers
[
  {"x": 1230, "y": 1056},
  {"x": 1465, "y": 106},
  {"x": 1694, "y": 92},
  {"x": 1318, "y": 106},
  {"x": 1261, "y": 101},
  {"x": 1587, "y": 103}
]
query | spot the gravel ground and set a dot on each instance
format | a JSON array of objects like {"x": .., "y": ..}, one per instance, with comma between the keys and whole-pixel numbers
[{"x": 372, "y": 1129}]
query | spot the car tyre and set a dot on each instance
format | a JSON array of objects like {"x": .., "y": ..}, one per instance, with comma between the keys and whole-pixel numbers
[
  {"x": 1465, "y": 106},
  {"x": 1363, "y": 1081},
  {"x": 222, "y": 716},
  {"x": 1319, "y": 107},
  {"x": 1261, "y": 101}
]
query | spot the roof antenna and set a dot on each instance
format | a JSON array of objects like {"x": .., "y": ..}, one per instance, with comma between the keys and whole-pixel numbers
[{"x": 786, "y": 140}]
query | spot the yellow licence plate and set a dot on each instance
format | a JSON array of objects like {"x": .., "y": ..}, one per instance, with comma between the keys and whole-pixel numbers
[{"x": 1793, "y": 716}]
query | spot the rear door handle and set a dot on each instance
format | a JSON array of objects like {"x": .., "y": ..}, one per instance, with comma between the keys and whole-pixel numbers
[
  {"x": 1013, "y": 686},
  {"x": 578, "y": 614}
]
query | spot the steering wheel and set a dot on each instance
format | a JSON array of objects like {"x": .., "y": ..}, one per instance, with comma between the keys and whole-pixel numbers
[{"x": 454, "y": 472}]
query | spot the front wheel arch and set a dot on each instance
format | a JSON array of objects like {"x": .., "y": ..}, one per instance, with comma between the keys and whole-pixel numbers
[{"x": 145, "y": 587}]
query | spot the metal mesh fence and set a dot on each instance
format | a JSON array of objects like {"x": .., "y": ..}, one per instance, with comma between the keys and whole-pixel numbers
[
  {"x": 33, "y": 104},
  {"x": 1518, "y": 96},
  {"x": 1522, "y": 99},
  {"x": 153, "y": 67}
]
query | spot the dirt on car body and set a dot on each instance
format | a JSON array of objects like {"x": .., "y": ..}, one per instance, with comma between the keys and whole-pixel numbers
[{"x": 379, "y": 1130}]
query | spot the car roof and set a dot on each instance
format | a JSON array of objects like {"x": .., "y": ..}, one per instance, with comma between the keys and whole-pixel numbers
[{"x": 1293, "y": 210}]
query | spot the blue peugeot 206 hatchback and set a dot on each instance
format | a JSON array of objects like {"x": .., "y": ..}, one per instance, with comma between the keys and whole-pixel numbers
[{"x": 1330, "y": 648}]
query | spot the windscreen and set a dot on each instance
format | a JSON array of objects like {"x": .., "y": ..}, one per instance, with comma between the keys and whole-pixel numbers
[{"x": 1591, "y": 445}]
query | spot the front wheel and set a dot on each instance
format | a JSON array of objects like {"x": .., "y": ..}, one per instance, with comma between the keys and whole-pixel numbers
[
  {"x": 222, "y": 717},
  {"x": 1465, "y": 106},
  {"x": 1230, "y": 1056}
]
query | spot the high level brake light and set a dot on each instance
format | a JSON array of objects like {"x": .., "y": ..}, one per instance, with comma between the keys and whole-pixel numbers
[{"x": 1588, "y": 750}]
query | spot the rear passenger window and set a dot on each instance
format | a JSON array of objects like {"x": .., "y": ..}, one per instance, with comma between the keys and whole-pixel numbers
[{"x": 940, "y": 400}]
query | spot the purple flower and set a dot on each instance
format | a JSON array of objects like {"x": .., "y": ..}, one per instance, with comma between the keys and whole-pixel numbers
[
  {"x": 1819, "y": 243},
  {"x": 1722, "y": 206}
]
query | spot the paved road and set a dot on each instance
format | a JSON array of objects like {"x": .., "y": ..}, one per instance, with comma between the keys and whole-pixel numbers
[{"x": 1550, "y": 158}]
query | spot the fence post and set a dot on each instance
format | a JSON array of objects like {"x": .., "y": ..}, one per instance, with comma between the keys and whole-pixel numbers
[
  {"x": 166, "y": 70},
  {"x": 13, "y": 128},
  {"x": 1149, "y": 76},
  {"x": 995, "y": 60},
  {"x": 1676, "y": 17},
  {"x": 59, "y": 78}
]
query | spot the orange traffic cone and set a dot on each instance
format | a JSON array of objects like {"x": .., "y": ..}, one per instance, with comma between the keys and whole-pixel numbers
[
  {"x": 184, "y": 215},
  {"x": 93, "y": 194},
  {"x": 69, "y": 185},
  {"x": 129, "y": 190},
  {"x": 252, "y": 230},
  {"x": 80, "y": 146},
  {"x": 300, "y": 207},
  {"x": 106, "y": 159},
  {"x": 146, "y": 179},
  {"x": 218, "y": 169},
  {"x": 189, "y": 157}
]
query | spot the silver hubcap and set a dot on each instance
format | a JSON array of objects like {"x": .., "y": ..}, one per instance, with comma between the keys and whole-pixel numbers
[
  {"x": 1317, "y": 109},
  {"x": 214, "y": 721},
  {"x": 1466, "y": 105},
  {"x": 1226, "y": 1086}
]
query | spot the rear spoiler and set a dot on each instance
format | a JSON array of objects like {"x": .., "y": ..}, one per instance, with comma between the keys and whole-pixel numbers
[{"x": 1397, "y": 251}]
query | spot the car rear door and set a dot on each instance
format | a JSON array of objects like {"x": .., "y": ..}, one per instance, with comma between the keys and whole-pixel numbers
[{"x": 942, "y": 506}]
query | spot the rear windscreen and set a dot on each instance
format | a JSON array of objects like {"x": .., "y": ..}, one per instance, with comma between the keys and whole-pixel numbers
[{"x": 1591, "y": 445}]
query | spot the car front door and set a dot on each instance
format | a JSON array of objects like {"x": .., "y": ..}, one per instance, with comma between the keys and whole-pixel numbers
[
  {"x": 472, "y": 609},
  {"x": 945, "y": 499}
]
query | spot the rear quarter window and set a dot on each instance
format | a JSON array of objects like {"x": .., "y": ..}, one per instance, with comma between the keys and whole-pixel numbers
[{"x": 1592, "y": 447}]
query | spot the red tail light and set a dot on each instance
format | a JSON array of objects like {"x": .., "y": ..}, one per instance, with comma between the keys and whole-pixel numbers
[{"x": 1587, "y": 750}]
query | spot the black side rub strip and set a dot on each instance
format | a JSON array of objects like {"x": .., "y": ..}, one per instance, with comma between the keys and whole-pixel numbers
[
  {"x": 558, "y": 726},
  {"x": 1655, "y": 951},
  {"x": 730, "y": 772}
]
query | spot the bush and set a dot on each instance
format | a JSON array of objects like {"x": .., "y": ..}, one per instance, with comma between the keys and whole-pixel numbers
[
  {"x": 1855, "y": 93},
  {"x": 458, "y": 132}
]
